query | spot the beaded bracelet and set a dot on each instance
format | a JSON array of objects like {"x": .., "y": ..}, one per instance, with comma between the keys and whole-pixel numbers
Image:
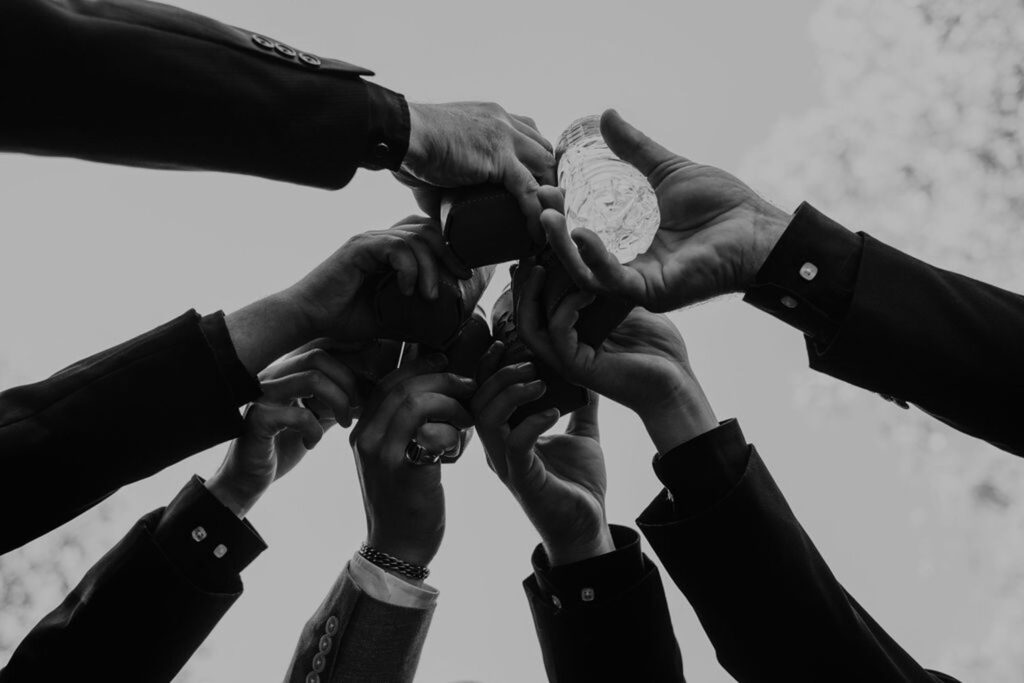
[{"x": 385, "y": 561}]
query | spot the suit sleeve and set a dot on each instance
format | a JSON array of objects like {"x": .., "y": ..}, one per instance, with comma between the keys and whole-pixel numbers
[
  {"x": 605, "y": 618},
  {"x": 766, "y": 598},
  {"x": 69, "y": 441},
  {"x": 355, "y": 638},
  {"x": 148, "y": 604},
  {"x": 145, "y": 84},
  {"x": 892, "y": 324}
]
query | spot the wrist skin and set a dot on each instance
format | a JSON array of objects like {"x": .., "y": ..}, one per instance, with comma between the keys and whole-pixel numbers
[
  {"x": 684, "y": 415},
  {"x": 412, "y": 551},
  {"x": 601, "y": 544},
  {"x": 267, "y": 329},
  {"x": 232, "y": 496},
  {"x": 417, "y": 147},
  {"x": 768, "y": 223}
]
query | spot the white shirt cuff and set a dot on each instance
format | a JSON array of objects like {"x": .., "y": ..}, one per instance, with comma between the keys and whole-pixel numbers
[{"x": 380, "y": 585}]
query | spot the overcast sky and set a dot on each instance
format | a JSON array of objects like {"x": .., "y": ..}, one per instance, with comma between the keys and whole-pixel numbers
[{"x": 96, "y": 254}]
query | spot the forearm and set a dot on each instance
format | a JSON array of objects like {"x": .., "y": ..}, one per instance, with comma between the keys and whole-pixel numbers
[
  {"x": 146, "y": 84},
  {"x": 267, "y": 329}
]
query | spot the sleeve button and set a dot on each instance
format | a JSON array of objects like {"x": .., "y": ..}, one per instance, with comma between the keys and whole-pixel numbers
[
  {"x": 262, "y": 41},
  {"x": 382, "y": 149},
  {"x": 313, "y": 678},
  {"x": 310, "y": 60},
  {"x": 325, "y": 644},
  {"x": 284, "y": 50},
  {"x": 319, "y": 662},
  {"x": 332, "y": 625},
  {"x": 788, "y": 302}
]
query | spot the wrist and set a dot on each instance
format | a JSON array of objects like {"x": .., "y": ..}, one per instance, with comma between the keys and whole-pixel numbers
[
  {"x": 600, "y": 544},
  {"x": 413, "y": 552},
  {"x": 267, "y": 329},
  {"x": 676, "y": 422},
  {"x": 232, "y": 496},
  {"x": 769, "y": 222},
  {"x": 417, "y": 147}
]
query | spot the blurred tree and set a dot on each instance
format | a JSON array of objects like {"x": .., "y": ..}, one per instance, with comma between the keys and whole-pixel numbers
[{"x": 919, "y": 142}]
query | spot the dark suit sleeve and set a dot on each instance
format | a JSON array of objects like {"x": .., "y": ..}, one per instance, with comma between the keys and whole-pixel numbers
[
  {"x": 146, "y": 84},
  {"x": 605, "y": 618},
  {"x": 148, "y": 604},
  {"x": 114, "y": 418},
  {"x": 890, "y": 323},
  {"x": 767, "y": 600}
]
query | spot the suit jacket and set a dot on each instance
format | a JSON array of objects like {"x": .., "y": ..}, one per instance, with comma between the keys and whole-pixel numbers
[
  {"x": 116, "y": 417},
  {"x": 146, "y": 84},
  {"x": 141, "y": 611},
  {"x": 604, "y": 619},
  {"x": 890, "y": 323},
  {"x": 766, "y": 598},
  {"x": 354, "y": 638}
]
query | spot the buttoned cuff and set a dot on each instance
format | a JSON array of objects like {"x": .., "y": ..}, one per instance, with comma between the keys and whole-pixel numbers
[
  {"x": 206, "y": 540},
  {"x": 385, "y": 587},
  {"x": 702, "y": 471},
  {"x": 243, "y": 387},
  {"x": 596, "y": 579},
  {"x": 808, "y": 279},
  {"x": 388, "y": 129}
]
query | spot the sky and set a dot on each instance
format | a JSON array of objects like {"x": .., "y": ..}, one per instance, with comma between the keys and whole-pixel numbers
[{"x": 97, "y": 254}]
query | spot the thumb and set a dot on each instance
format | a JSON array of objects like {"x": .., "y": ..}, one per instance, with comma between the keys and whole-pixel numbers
[
  {"x": 583, "y": 421},
  {"x": 631, "y": 145}
]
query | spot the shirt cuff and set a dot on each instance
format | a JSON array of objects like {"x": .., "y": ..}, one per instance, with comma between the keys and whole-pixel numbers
[
  {"x": 703, "y": 470},
  {"x": 388, "y": 129},
  {"x": 385, "y": 587},
  {"x": 808, "y": 279},
  {"x": 243, "y": 387},
  {"x": 206, "y": 540},
  {"x": 596, "y": 579}
]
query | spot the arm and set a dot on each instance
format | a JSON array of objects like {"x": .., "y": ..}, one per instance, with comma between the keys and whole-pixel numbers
[
  {"x": 146, "y": 84},
  {"x": 597, "y": 602},
  {"x": 766, "y": 598},
  {"x": 372, "y": 623},
  {"x": 873, "y": 316},
  {"x": 185, "y": 381}
]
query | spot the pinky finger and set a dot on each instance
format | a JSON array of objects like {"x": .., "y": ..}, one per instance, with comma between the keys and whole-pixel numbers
[{"x": 276, "y": 419}]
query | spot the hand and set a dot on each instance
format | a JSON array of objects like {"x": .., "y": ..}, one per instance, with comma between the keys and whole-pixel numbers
[
  {"x": 646, "y": 348},
  {"x": 335, "y": 297},
  {"x": 405, "y": 503},
  {"x": 279, "y": 430},
  {"x": 473, "y": 143},
  {"x": 715, "y": 231},
  {"x": 558, "y": 480}
]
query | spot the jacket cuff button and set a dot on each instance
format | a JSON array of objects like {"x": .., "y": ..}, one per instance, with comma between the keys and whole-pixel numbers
[
  {"x": 262, "y": 41},
  {"x": 311, "y": 61}
]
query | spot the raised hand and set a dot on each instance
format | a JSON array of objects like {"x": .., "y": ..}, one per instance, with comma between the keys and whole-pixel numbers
[
  {"x": 558, "y": 480},
  {"x": 642, "y": 364},
  {"x": 302, "y": 397},
  {"x": 715, "y": 231},
  {"x": 474, "y": 143},
  {"x": 405, "y": 503}
]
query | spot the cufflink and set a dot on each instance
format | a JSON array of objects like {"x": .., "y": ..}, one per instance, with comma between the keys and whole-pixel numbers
[
  {"x": 199, "y": 534},
  {"x": 808, "y": 271},
  {"x": 556, "y": 602},
  {"x": 587, "y": 595},
  {"x": 220, "y": 551}
]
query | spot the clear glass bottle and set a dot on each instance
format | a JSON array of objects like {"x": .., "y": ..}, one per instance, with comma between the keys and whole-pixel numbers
[{"x": 604, "y": 193}]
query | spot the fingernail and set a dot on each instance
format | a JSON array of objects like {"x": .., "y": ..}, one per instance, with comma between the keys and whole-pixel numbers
[
  {"x": 539, "y": 384},
  {"x": 553, "y": 413},
  {"x": 526, "y": 365}
]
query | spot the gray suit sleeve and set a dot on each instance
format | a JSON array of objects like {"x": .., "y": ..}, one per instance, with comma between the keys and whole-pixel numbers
[{"x": 353, "y": 638}]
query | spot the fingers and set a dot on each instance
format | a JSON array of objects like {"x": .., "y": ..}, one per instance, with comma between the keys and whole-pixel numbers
[
  {"x": 583, "y": 421},
  {"x": 438, "y": 437},
  {"x": 435, "y": 362},
  {"x": 315, "y": 375},
  {"x": 631, "y": 145},
  {"x": 417, "y": 410},
  {"x": 557, "y": 233},
  {"x": 552, "y": 198},
  {"x": 522, "y": 439},
  {"x": 528, "y": 127},
  {"x": 490, "y": 362},
  {"x": 532, "y": 325},
  {"x": 410, "y": 396},
  {"x": 504, "y": 393},
  {"x": 613, "y": 276},
  {"x": 537, "y": 158},
  {"x": 269, "y": 420},
  {"x": 519, "y": 180},
  {"x": 428, "y": 233},
  {"x": 573, "y": 358}
]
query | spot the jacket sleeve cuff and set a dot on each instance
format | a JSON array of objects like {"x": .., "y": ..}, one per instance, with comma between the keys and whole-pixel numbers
[
  {"x": 703, "y": 470},
  {"x": 388, "y": 129},
  {"x": 808, "y": 279},
  {"x": 205, "y": 540},
  {"x": 596, "y": 579},
  {"x": 241, "y": 385}
]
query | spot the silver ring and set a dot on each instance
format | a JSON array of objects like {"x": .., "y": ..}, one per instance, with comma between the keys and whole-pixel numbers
[{"x": 415, "y": 454}]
